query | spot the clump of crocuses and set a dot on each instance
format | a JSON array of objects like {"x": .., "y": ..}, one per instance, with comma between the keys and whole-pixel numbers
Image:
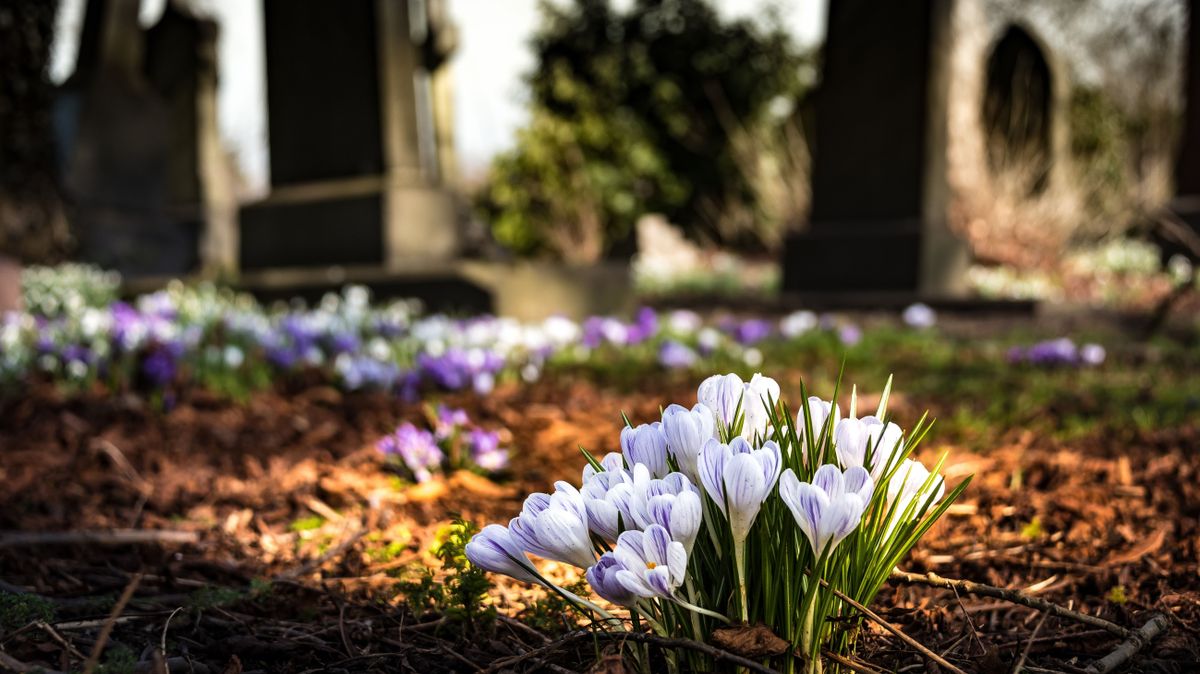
[
  {"x": 455, "y": 443},
  {"x": 737, "y": 509}
]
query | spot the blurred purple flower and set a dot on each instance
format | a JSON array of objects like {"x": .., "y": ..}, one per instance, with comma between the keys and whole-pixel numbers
[
  {"x": 485, "y": 450},
  {"x": 415, "y": 448},
  {"x": 675, "y": 355}
]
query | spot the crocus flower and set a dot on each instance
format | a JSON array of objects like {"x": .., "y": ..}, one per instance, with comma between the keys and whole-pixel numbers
[
  {"x": 919, "y": 316},
  {"x": 555, "y": 526},
  {"x": 797, "y": 323},
  {"x": 485, "y": 450},
  {"x": 449, "y": 420},
  {"x": 1092, "y": 354},
  {"x": 672, "y": 503},
  {"x": 829, "y": 508},
  {"x": 739, "y": 478},
  {"x": 686, "y": 431},
  {"x": 819, "y": 412},
  {"x": 674, "y": 355},
  {"x": 867, "y": 442},
  {"x": 494, "y": 549},
  {"x": 651, "y": 565},
  {"x": 608, "y": 499},
  {"x": 850, "y": 334},
  {"x": 416, "y": 448},
  {"x": 646, "y": 445},
  {"x": 905, "y": 487},
  {"x": 602, "y": 577},
  {"x": 724, "y": 393}
]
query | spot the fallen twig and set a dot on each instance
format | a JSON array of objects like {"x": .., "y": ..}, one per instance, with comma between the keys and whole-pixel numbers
[
  {"x": 852, "y": 665},
  {"x": 62, "y": 641},
  {"x": 894, "y": 630},
  {"x": 1014, "y": 596},
  {"x": 12, "y": 539},
  {"x": 102, "y": 639},
  {"x": 713, "y": 652},
  {"x": 1137, "y": 640},
  {"x": 12, "y": 664},
  {"x": 1029, "y": 644}
]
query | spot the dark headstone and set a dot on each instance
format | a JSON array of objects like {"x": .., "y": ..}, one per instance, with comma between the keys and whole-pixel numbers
[
  {"x": 322, "y": 90},
  {"x": 872, "y": 156},
  {"x": 1186, "y": 203},
  {"x": 128, "y": 130},
  {"x": 312, "y": 233}
]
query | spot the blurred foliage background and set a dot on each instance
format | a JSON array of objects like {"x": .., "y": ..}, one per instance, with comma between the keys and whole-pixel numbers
[{"x": 664, "y": 108}]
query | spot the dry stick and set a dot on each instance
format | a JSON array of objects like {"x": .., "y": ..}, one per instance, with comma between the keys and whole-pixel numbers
[
  {"x": 1014, "y": 596},
  {"x": 113, "y": 537},
  {"x": 640, "y": 637},
  {"x": 859, "y": 667},
  {"x": 1137, "y": 640},
  {"x": 1029, "y": 644},
  {"x": 62, "y": 641},
  {"x": 894, "y": 630},
  {"x": 102, "y": 639}
]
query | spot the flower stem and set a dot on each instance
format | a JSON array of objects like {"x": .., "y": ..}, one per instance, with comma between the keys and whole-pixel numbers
[
  {"x": 699, "y": 609},
  {"x": 691, "y": 590},
  {"x": 739, "y": 559}
]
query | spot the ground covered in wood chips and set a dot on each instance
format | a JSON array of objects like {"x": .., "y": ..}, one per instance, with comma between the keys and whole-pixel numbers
[{"x": 277, "y": 539}]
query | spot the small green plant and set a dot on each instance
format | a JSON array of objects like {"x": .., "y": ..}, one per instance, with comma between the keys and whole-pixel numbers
[
  {"x": 460, "y": 594},
  {"x": 1033, "y": 530},
  {"x": 118, "y": 659},
  {"x": 309, "y": 523},
  {"x": 1117, "y": 594},
  {"x": 214, "y": 597},
  {"x": 18, "y": 610}
]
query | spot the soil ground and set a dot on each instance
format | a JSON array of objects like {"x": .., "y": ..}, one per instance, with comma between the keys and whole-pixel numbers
[{"x": 296, "y": 533}]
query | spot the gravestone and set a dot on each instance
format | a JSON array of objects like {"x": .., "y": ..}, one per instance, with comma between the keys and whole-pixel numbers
[
  {"x": 879, "y": 193},
  {"x": 1186, "y": 203},
  {"x": 131, "y": 126},
  {"x": 355, "y": 176}
]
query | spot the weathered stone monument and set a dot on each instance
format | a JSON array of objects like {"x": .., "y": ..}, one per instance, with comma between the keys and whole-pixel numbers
[
  {"x": 1186, "y": 203},
  {"x": 879, "y": 221},
  {"x": 358, "y": 129},
  {"x": 137, "y": 131}
]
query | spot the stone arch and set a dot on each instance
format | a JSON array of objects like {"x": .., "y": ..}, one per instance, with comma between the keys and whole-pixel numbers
[{"x": 1019, "y": 109}]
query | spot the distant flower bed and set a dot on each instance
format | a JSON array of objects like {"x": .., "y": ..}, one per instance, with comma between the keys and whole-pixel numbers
[
  {"x": 227, "y": 342},
  {"x": 735, "y": 510}
]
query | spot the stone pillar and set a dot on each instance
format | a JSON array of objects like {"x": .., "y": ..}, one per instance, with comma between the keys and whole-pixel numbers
[
  {"x": 420, "y": 222},
  {"x": 354, "y": 157},
  {"x": 1186, "y": 203},
  {"x": 879, "y": 220}
]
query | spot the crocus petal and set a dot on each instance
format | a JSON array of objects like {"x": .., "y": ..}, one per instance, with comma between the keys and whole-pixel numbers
[
  {"x": 712, "y": 471},
  {"x": 745, "y": 490}
]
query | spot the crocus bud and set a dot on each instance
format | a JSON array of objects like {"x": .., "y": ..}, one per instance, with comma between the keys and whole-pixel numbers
[
  {"x": 646, "y": 445},
  {"x": 686, "y": 431}
]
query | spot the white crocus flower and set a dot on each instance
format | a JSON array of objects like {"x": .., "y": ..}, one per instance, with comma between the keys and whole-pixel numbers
[
  {"x": 739, "y": 478},
  {"x": 672, "y": 503},
  {"x": 555, "y": 526},
  {"x": 829, "y": 508},
  {"x": 494, "y": 549},
  {"x": 724, "y": 393},
  {"x": 686, "y": 431},
  {"x": 859, "y": 441},
  {"x": 646, "y": 445}
]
